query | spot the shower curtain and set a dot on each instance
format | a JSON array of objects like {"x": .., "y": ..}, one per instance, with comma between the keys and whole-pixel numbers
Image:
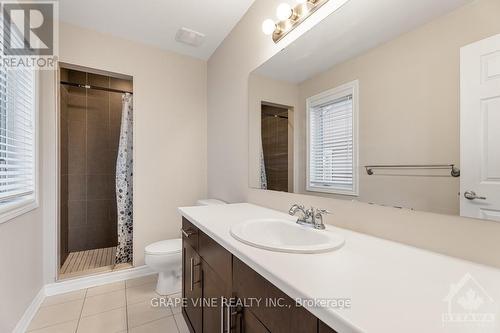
[{"x": 124, "y": 189}]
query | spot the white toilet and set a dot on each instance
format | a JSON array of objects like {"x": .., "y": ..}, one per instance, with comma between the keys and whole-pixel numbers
[{"x": 165, "y": 257}]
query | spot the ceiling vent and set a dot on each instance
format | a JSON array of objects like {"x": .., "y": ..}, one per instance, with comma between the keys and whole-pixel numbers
[{"x": 190, "y": 37}]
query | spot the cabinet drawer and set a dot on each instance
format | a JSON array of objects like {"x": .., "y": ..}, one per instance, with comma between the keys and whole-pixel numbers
[
  {"x": 190, "y": 233},
  {"x": 286, "y": 318},
  {"x": 217, "y": 257}
]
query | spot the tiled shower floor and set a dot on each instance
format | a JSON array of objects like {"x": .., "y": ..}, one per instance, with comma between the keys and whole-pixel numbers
[{"x": 90, "y": 262}]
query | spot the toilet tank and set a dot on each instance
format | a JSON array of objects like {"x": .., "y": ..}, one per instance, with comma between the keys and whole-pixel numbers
[{"x": 209, "y": 202}]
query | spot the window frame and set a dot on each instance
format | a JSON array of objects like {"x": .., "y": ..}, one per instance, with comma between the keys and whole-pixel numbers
[
  {"x": 351, "y": 88},
  {"x": 25, "y": 204}
]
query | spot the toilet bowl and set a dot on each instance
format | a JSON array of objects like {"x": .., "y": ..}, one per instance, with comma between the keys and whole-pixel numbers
[{"x": 165, "y": 257}]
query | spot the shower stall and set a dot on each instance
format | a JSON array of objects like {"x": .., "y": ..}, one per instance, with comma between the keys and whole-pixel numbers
[{"x": 95, "y": 151}]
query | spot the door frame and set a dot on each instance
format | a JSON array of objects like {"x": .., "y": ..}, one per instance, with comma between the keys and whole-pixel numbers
[{"x": 51, "y": 214}]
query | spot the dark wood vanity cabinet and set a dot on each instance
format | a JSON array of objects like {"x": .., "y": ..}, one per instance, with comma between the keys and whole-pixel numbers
[
  {"x": 276, "y": 311},
  {"x": 211, "y": 273},
  {"x": 191, "y": 286}
]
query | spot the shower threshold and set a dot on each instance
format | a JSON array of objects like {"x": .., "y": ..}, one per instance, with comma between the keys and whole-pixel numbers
[{"x": 90, "y": 262}]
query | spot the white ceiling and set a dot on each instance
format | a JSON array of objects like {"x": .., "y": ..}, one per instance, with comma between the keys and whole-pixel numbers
[
  {"x": 156, "y": 22},
  {"x": 352, "y": 30}
]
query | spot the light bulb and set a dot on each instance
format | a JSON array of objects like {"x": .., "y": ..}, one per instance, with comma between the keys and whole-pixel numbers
[
  {"x": 284, "y": 11},
  {"x": 268, "y": 27}
]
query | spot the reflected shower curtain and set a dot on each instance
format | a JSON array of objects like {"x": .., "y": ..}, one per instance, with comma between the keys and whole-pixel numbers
[
  {"x": 263, "y": 175},
  {"x": 124, "y": 189}
]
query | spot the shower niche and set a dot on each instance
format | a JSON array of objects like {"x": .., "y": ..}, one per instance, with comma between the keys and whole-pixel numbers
[{"x": 95, "y": 151}]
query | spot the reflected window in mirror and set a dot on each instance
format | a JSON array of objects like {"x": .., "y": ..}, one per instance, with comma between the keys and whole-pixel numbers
[{"x": 332, "y": 141}]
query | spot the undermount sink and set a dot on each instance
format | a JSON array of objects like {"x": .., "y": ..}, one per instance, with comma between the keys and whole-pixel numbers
[{"x": 285, "y": 236}]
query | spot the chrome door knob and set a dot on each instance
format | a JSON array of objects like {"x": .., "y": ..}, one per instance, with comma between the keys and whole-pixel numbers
[{"x": 471, "y": 195}]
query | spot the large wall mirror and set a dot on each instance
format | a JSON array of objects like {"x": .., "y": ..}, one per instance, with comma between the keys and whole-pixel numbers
[{"x": 392, "y": 102}]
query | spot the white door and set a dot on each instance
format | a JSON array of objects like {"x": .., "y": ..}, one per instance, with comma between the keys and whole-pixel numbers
[{"x": 480, "y": 129}]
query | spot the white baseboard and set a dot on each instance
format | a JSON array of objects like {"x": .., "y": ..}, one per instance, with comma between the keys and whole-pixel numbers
[
  {"x": 24, "y": 322},
  {"x": 66, "y": 286}
]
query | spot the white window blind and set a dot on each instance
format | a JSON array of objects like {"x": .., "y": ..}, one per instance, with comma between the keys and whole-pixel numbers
[
  {"x": 17, "y": 134},
  {"x": 332, "y": 155}
]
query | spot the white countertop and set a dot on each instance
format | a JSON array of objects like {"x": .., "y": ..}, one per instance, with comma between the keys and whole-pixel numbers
[{"x": 392, "y": 287}]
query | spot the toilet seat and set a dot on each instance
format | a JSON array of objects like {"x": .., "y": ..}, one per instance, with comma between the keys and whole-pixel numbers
[{"x": 170, "y": 246}]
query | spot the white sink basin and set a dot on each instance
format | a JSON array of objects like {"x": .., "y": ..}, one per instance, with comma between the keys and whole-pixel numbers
[{"x": 285, "y": 236}]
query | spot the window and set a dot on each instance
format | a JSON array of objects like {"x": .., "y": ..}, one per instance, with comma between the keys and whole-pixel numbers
[
  {"x": 332, "y": 120},
  {"x": 17, "y": 142}
]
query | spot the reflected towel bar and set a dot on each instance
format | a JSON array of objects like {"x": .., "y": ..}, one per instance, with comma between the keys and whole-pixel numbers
[{"x": 455, "y": 171}]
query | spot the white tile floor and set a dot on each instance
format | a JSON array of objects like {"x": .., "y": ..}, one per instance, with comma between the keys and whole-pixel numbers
[{"x": 119, "y": 307}]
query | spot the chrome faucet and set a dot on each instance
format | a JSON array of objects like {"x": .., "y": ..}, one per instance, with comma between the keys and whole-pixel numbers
[{"x": 310, "y": 217}]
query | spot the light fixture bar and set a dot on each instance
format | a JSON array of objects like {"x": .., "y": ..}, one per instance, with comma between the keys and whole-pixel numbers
[{"x": 300, "y": 13}]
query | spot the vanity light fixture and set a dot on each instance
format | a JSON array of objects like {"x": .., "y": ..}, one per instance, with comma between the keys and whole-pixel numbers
[
  {"x": 290, "y": 17},
  {"x": 268, "y": 27}
]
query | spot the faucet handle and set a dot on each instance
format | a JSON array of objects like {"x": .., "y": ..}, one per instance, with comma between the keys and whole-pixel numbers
[
  {"x": 323, "y": 211},
  {"x": 295, "y": 208}
]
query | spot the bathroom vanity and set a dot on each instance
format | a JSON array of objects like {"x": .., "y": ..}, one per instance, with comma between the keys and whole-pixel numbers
[
  {"x": 212, "y": 272},
  {"x": 382, "y": 279}
]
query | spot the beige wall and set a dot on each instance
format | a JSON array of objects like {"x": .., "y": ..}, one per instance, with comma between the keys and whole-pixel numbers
[
  {"x": 22, "y": 242},
  {"x": 228, "y": 70},
  {"x": 169, "y": 126},
  {"x": 21, "y": 260}
]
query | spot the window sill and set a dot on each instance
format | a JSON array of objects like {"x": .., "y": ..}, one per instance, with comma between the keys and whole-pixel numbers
[
  {"x": 20, "y": 207},
  {"x": 327, "y": 190}
]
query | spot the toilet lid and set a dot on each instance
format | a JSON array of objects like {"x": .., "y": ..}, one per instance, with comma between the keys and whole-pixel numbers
[{"x": 165, "y": 247}]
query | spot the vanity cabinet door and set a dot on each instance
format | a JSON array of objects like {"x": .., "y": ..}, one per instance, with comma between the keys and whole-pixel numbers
[
  {"x": 216, "y": 316},
  {"x": 276, "y": 311},
  {"x": 250, "y": 324},
  {"x": 217, "y": 257},
  {"x": 191, "y": 287}
]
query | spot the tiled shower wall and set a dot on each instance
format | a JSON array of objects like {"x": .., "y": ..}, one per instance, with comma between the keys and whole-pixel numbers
[{"x": 90, "y": 131}]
